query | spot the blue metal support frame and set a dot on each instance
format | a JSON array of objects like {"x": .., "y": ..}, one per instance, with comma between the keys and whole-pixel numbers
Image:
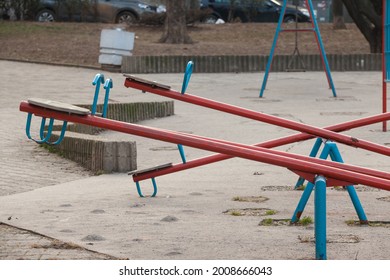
[
  {"x": 319, "y": 41},
  {"x": 313, "y": 153},
  {"x": 336, "y": 156},
  {"x": 330, "y": 149}
]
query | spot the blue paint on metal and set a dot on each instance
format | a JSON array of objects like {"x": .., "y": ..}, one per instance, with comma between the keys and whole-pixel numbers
[
  {"x": 187, "y": 76},
  {"x": 387, "y": 40},
  {"x": 320, "y": 217},
  {"x": 182, "y": 154},
  {"x": 309, "y": 188},
  {"x": 302, "y": 203},
  {"x": 330, "y": 149},
  {"x": 154, "y": 188},
  {"x": 97, "y": 81},
  {"x": 313, "y": 153},
  {"x": 107, "y": 86},
  {"x": 320, "y": 44},
  {"x": 45, "y": 139},
  {"x": 139, "y": 189},
  {"x": 272, "y": 53},
  {"x": 322, "y": 49},
  {"x": 336, "y": 156}
]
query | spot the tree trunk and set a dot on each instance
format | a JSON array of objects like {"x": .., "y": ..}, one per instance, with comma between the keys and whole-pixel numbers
[
  {"x": 338, "y": 15},
  {"x": 367, "y": 14},
  {"x": 175, "y": 28}
]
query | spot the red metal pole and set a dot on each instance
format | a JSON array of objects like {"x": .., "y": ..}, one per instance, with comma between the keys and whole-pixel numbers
[
  {"x": 268, "y": 144},
  {"x": 308, "y": 168},
  {"x": 227, "y": 108},
  {"x": 367, "y": 171}
]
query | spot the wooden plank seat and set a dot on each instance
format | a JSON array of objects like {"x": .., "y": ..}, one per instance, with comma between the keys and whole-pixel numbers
[
  {"x": 59, "y": 106},
  {"x": 154, "y": 168},
  {"x": 152, "y": 84}
]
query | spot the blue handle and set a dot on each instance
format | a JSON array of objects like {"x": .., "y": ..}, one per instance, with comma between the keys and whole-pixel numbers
[
  {"x": 187, "y": 76},
  {"x": 107, "y": 86},
  {"x": 97, "y": 81}
]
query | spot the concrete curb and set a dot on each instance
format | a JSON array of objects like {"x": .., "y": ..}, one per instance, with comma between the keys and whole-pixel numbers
[
  {"x": 103, "y": 155},
  {"x": 248, "y": 63}
]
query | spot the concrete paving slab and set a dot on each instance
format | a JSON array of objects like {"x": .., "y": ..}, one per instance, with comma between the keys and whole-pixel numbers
[{"x": 187, "y": 220}]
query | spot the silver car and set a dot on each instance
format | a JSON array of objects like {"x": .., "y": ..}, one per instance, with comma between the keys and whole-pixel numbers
[{"x": 110, "y": 11}]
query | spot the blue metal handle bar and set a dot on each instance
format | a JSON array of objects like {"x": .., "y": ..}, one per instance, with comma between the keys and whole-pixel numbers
[
  {"x": 187, "y": 76},
  {"x": 107, "y": 86},
  {"x": 154, "y": 188},
  {"x": 97, "y": 81},
  {"x": 182, "y": 154},
  {"x": 49, "y": 130}
]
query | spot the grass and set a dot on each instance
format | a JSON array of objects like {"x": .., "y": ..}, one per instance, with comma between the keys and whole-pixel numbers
[
  {"x": 52, "y": 149},
  {"x": 21, "y": 28},
  {"x": 305, "y": 221},
  {"x": 267, "y": 222},
  {"x": 270, "y": 212},
  {"x": 235, "y": 213}
]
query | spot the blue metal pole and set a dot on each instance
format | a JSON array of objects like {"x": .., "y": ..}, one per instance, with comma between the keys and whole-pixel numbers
[
  {"x": 313, "y": 153},
  {"x": 309, "y": 188},
  {"x": 302, "y": 203},
  {"x": 322, "y": 49},
  {"x": 320, "y": 217},
  {"x": 182, "y": 154},
  {"x": 336, "y": 156},
  {"x": 271, "y": 55}
]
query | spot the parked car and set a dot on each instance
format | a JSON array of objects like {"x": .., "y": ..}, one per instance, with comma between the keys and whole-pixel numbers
[
  {"x": 110, "y": 11},
  {"x": 252, "y": 11}
]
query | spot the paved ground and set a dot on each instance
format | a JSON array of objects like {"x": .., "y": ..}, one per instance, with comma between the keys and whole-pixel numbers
[{"x": 46, "y": 194}]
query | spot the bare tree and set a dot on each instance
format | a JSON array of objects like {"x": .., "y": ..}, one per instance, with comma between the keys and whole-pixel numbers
[
  {"x": 338, "y": 15},
  {"x": 175, "y": 27},
  {"x": 367, "y": 14}
]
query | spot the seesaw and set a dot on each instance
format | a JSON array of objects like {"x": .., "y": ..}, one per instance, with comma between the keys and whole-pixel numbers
[
  {"x": 340, "y": 175},
  {"x": 319, "y": 172}
]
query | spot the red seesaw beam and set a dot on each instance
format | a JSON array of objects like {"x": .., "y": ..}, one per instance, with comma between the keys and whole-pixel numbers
[
  {"x": 227, "y": 108},
  {"x": 268, "y": 144},
  {"x": 247, "y": 152},
  {"x": 353, "y": 168}
]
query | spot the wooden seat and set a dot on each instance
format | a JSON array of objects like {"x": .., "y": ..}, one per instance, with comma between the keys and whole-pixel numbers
[
  {"x": 155, "y": 168},
  {"x": 59, "y": 106},
  {"x": 152, "y": 84}
]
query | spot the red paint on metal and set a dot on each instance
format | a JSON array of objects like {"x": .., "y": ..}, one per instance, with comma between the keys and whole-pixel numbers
[
  {"x": 227, "y": 108},
  {"x": 246, "y": 152}
]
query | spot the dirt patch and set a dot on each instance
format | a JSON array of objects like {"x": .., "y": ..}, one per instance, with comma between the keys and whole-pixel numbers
[
  {"x": 250, "y": 212},
  {"x": 255, "y": 199},
  {"x": 78, "y": 43},
  {"x": 335, "y": 238}
]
